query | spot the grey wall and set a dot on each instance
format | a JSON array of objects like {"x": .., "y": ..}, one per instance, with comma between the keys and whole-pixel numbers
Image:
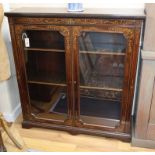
[
  {"x": 9, "y": 95},
  {"x": 149, "y": 37}
]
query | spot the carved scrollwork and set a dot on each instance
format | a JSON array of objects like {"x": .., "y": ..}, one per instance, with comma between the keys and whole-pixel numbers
[
  {"x": 78, "y": 21},
  {"x": 67, "y": 44},
  {"x": 128, "y": 33},
  {"x": 18, "y": 29},
  {"x": 18, "y": 40},
  {"x": 62, "y": 29},
  {"x": 64, "y": 32},
  {"x": 70, "y": 21},
  {"x": 76, "y": 32}
]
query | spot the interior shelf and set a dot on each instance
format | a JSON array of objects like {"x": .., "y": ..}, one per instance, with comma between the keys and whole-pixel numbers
[
  {"x": 47, "y": 83},
  {"x": 100, "y": 88},
  {"x": 103, "y": 52},
  {"x": 45, "y": 39},
  {"x": 95, "y": 81},
  {"x": 44, "y": 50},
  {"x": 99, "y": 42},
  {"x": 103, "y": 94},
  {"x": 39, "y": 78},
  {"x": 102, "y": 43}
]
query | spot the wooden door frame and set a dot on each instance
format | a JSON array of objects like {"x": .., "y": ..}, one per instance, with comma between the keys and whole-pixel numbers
[
  {"x": 21, "y": 71},
  {"x": 129, "y": 34}
]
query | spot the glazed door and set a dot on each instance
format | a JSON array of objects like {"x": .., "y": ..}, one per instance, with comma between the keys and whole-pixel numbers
[
  {"x": 101, "y": 77},
  {"x": 46, "y": 58}
]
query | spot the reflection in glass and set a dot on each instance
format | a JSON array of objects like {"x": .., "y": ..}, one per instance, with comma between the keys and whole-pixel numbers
[
  {"x": 45, "y": 99},
  {"x": 45, "y": 39},
  {"x": 101, "y": 59},
  {"x": 100, "y": 70},
  {"x": 103, "y": 42},
  {"x": 46, "y": 74}
]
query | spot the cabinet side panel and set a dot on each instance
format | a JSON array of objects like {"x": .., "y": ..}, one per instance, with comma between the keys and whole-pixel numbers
[
  {"x": 133, "y": 70},
  {"x": 151, "y": 124},
  {"x": 145, "y": 98}
]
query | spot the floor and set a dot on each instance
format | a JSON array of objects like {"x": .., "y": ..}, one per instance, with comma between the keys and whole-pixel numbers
[{"x": 36, "y": 139}]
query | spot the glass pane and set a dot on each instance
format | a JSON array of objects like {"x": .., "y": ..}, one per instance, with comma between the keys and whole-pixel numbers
[
  {"x": 46, "y": 66},
  {"x": 46, "y": 74},
  {"x": 101, "y": 58},
  {"x": 99, "y": 70},
  {"x": 45, "y": 39},
  {"x": 102, "y": 42},
  {"x": 48, "y": 99}
]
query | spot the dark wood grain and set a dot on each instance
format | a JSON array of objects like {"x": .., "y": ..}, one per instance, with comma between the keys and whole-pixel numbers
[
  {"x": 118, "y": 135},
  {"x": 59, "y": 33}
]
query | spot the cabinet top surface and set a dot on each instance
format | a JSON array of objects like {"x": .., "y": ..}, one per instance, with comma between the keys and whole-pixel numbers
[{"x": 87, "y": 13}]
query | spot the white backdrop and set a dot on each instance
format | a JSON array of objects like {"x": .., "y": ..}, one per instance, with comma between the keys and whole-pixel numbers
[{"x": 86, "y": 3}]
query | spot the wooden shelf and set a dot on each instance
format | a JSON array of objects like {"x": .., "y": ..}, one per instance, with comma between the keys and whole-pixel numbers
[
  {"x": 99, "y": 81},
  {"x": 101, "y": 88},
  {"x": 109, "y": 43},
  {"x": 56, "y": 80},
  {"x": 103, "y": 53},
  {"x": 44, "y": 50},
  {"x": 47, "y": 83},
  {"x": 104, "y": 94}
]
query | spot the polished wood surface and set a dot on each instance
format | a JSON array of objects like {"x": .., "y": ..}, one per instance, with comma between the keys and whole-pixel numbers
[
  {"x": 59, "y": 141},
  {"x": 88, "y": 12},
  {"x": 62, "y": 34}
]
